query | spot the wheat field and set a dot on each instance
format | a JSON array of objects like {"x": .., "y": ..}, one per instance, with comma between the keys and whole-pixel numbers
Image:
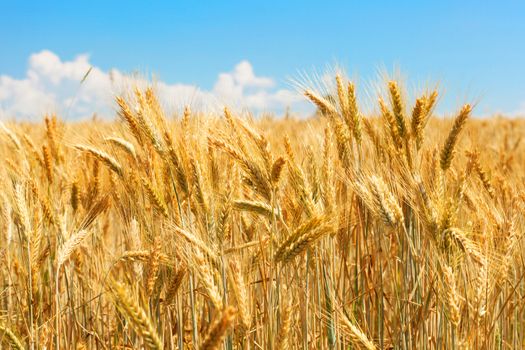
[{"x": 399, "y": 230}]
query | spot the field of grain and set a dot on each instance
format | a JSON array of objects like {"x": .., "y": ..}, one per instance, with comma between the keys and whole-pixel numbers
[{"x": 344, "y": 231}]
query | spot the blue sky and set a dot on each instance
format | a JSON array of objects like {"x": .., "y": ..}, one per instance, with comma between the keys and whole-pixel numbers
[{"x": 475, "y": 50}]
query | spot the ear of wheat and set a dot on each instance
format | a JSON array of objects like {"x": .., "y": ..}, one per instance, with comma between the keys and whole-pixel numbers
[
  {"x": 218, "y": 330},
  {"x": 12, "y": 339},
  {"x": 136, "y": 316}
]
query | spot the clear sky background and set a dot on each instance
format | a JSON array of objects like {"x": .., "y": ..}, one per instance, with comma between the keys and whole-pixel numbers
[{"x": 247, "y": 50}]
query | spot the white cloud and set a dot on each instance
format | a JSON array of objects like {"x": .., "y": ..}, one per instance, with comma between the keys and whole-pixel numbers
[
  {"x": 53, "y": 85},
  {"x": 520, "y": 112}
]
